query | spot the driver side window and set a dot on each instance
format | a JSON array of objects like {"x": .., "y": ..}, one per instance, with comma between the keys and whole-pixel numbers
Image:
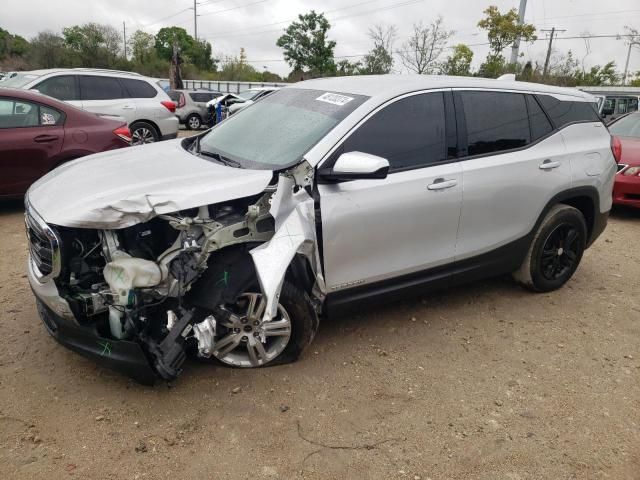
[{"x": 409, "y": 133}]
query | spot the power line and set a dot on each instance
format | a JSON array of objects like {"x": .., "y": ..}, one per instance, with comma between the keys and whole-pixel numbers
[
  {"x": 166, "y": 18},
  {"x": 387, "y": 7},
  {"x": 232, "y": 8}
]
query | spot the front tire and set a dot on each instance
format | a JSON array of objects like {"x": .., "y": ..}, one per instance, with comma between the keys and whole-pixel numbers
[
  {"x": 239, "y": 340},
  {"x": 556, "y": 250}
]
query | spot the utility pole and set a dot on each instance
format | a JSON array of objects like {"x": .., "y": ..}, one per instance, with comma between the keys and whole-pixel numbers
[
  {"x": 195, "y": 20},
  {"x": 515, "y": 49},
  {"x": 124, "y": 38},
  {"x": 546, "y": 62},
  {"x": 626, "y": 64}
]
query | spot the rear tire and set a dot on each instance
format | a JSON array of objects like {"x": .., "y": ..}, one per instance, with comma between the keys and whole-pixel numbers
[
  {"x": 143, "y": 132},
  {"x": 556, "y": 250}
]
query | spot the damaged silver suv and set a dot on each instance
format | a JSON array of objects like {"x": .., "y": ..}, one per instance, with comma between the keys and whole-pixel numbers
[{"x": 232, "y": 244}]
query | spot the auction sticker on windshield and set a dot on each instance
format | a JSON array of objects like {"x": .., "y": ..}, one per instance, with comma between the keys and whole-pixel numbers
[{"x": 334, "y": 98}]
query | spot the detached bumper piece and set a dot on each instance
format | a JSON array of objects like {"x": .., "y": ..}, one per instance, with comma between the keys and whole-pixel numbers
[{"x": 123, "y": 356}]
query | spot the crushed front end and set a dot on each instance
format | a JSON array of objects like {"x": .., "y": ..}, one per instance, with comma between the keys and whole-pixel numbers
[{"x": 141, "y": 298}]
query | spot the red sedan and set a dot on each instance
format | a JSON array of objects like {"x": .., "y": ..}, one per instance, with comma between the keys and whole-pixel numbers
[
  {"x": 38, "y": 133},
  {"x": 626, "y": 140}
]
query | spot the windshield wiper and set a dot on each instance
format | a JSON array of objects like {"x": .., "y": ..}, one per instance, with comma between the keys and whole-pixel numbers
[{"x": 220, "y": 158}]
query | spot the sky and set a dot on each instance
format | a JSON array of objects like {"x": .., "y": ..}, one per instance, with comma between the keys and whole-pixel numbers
[{"x": 256, "y": 24}]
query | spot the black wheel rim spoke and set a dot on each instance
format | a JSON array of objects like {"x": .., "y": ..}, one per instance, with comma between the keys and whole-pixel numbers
[{"x": 560, "y": 252}]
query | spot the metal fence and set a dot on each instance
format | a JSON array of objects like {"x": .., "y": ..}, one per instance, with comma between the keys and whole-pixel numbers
[{"x": 223, "y": 85}]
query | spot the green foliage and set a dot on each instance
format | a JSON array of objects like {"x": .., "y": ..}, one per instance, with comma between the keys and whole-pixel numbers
[
  {"x": 502, "y": 30},
  {"x": 346, "y": 68},
  {"x": 306, "y": 46},
  {"x": 94, "y": 45},
  {"x": 48, "y": 50},
  {"x": 597, "y": 75},
  {"x": 379, "y": 60},
  {"x": 459, "y": 63},
  {"x": 142, "y": 46},
  {"x": 12, "y": 45},
  {"x": 167, "y": 37}
]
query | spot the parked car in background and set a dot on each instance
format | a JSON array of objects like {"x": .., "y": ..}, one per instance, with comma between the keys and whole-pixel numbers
[
  {"x": 249, "y": 96},
  {"x": 191, "y": 106},
  {"x": 147, "y": 109},
  {"x": 611, "y": 107},
  {"x": 331, "y": 192},
  {"x": 626, "y": 141},
  {"x": 221, "y": 104},
  {"x": 38, "y": 133}
]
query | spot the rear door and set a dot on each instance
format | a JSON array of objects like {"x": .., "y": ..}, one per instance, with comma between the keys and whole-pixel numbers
[
  {"x": 31, "y": 135},
  {"x": 512, "y": 168},
  {"x": 375, "y": 230},
  {"x": 106, "y": 95}
]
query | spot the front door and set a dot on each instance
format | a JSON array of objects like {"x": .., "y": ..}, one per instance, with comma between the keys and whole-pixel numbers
[{"x": 376, "y": 230}]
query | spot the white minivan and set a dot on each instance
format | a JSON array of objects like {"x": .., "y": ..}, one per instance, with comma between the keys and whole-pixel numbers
[{"x": 139, "y": 100}]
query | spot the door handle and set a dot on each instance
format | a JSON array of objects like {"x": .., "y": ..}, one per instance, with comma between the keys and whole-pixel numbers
[
  {"x": 549, "y": 164},
  {"x": 45, "y": 138},
  {"x": 441, "y": 184},
  {"x": 128, "y": 107}
]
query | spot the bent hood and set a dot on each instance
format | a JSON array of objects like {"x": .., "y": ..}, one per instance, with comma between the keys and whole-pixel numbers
[{"x": 124, "y": 187}]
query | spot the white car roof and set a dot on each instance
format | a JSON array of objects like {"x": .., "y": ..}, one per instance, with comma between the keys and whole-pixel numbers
[
  {"x": 384, "y": 87},
  {"x": 97, "y": 71}
]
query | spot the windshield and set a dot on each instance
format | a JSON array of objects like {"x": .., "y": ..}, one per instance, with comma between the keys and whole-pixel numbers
[
  {"x": 18, "y": 80},
  {"x": 628, "y": 126},
  {"x": 280, "y": 128}
]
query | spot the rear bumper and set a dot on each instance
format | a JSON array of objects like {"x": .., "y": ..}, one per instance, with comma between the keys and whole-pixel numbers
[{"x": 626, "y": 191}]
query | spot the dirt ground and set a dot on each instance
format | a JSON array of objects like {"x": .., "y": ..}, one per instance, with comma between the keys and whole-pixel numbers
[{"x": 482, "y": 382}]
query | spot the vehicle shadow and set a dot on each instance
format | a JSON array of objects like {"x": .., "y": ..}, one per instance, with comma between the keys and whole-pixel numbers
[
  {"x": 10, "y": 207},
  {"x": 620, "y": 212}
]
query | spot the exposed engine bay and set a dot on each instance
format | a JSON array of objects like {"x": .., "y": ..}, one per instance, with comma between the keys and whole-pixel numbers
[{"x": 204, "y": 280}]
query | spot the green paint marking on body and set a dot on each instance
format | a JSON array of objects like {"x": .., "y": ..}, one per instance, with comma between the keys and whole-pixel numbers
[
  {"x": 224, "y": 279},
  {"x": 106, "y": 349}
]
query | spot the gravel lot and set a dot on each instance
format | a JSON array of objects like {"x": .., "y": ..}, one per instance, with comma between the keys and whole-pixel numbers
[{"x": 481, "y": 382}]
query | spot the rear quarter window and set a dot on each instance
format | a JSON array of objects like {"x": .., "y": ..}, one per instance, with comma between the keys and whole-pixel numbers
[
  {"x": 138, "y": 88},
  {"x": 566, "y": 112}
]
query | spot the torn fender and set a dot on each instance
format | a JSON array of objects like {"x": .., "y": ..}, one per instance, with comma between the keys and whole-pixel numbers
[{"x": 295, "y": 233}]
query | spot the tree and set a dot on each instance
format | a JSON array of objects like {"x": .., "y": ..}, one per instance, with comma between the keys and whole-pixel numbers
[
  {"x": 502, "y": 31},
  {"x": 459, "y": 63},
  {"x": 597, "y": 75},
  {"x": 94, "y": 45},
  {"x": 48, "y": 50},
  {"x": 420, "y": 54},
  {"x": 379, "y": 60},
  {"x": 346, "y": 68},
  {"x": 167, "y": 37},
  {"x": 142, "y": 46},
  {"x": 12, "y": 45},
  {"x": 306, "y": 46}
]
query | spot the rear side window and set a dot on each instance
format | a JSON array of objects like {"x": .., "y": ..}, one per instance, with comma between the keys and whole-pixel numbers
[
  {"x": 495, "y": 121},
  {"x": 100, "y": 88},
  {"x": 62, "y": 87},
  {"x": 540, "y": 124},
  {"x": 138, "y": 88},
  {"x": 409, "y": 133},
  {"x": 20, "y": 114},
  {"x": 202, "y": 97},
  {"x": 174, "y": 95},
  {"x": 565, "y": 112}
]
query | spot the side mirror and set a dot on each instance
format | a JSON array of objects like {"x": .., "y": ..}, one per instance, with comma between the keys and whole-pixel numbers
[{"x": 355, "y": 166}]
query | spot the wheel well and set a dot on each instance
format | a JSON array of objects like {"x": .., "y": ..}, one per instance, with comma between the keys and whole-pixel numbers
[
  {"x": 153, "y": 124},
  {"x": 586, "y": 207}
]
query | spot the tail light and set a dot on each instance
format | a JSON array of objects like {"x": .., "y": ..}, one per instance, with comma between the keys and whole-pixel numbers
[
  {"x": 616, "y": 148},
  {"x": 181, "y": 101},
  {"x": 124, "y": 133},
  {"x": 171, "y": 106}
]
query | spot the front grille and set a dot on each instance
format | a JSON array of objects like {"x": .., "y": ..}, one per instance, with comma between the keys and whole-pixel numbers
[{"x": 44, "y": 246}]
